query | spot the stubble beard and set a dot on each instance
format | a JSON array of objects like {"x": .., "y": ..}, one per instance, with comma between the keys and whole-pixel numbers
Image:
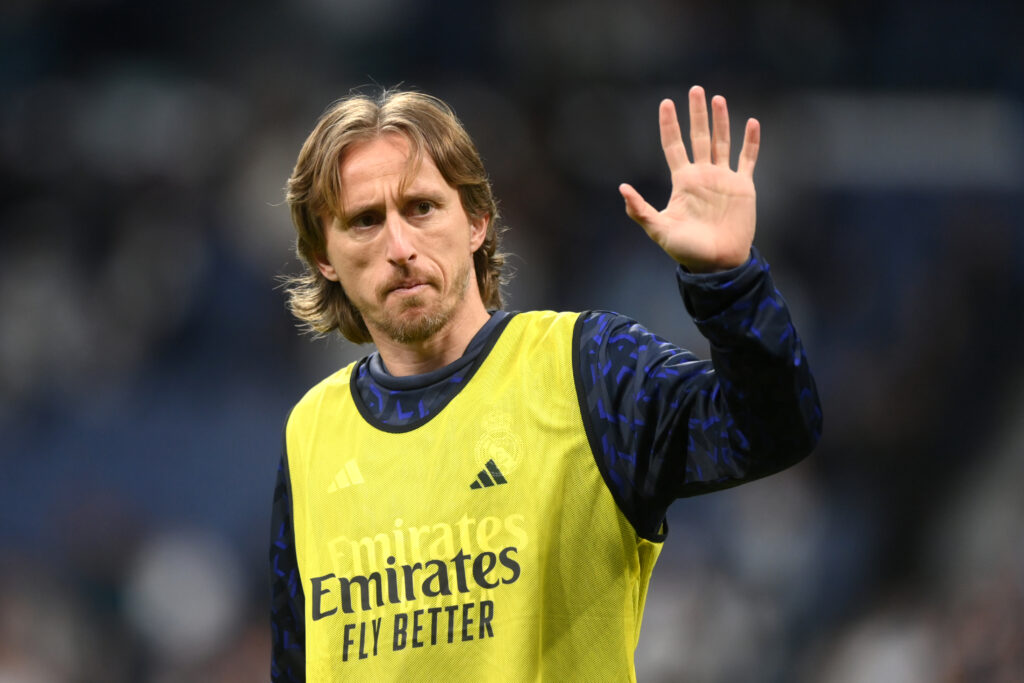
[{"x": 422, "y": 327}]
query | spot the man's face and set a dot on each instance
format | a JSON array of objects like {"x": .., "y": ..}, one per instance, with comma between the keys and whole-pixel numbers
[{"x": 403, "y": 247}]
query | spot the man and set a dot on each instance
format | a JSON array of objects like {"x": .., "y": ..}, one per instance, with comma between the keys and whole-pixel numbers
[{"x": 484, "y": 497}]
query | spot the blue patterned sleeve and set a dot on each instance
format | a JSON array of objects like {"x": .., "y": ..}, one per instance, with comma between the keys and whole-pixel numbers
[
  {"x": 287, "y": 615},
  {"x": 664, "y": 424}
]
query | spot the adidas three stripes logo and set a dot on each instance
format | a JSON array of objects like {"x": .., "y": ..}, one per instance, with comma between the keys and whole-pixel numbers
[{"x": 489, "y": 476}]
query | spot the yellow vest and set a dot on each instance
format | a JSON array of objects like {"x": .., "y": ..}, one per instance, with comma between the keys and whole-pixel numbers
[{"x": 482, "y": 545}]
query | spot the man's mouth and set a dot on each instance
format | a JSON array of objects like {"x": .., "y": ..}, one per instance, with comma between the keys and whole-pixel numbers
[{"x": 408, "y": 287}]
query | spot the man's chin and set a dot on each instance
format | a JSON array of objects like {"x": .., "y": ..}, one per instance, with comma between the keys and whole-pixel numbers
[{"x": 413, "y": 324}]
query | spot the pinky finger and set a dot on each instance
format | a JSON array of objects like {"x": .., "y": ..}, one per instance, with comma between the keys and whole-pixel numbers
[{"x": 751, "y": 146}]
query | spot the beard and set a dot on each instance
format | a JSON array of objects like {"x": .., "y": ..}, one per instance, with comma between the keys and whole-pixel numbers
[{"x": 420, "y": 327}]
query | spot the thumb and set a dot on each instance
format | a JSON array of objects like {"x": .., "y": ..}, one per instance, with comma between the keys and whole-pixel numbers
[{"x": 637, "y": 207}]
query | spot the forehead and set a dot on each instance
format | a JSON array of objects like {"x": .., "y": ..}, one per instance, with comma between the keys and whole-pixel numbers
[{"x": 389, "y": 161}]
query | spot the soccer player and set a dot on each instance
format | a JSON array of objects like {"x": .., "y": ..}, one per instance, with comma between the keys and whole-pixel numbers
[{"x": 484, "y": 496}]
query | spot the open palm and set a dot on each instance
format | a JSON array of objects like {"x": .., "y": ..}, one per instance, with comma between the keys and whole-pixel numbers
[{"x": 708, "y": 224}]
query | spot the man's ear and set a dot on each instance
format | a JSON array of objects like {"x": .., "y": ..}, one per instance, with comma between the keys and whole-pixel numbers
[
  {"x": 478, "y": 231},
  {"x": 325, "y": 268},
  {"x": 322, "y": 264}
]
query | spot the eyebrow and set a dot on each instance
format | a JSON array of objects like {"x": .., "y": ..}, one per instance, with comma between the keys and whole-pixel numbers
[{"x": 410, "y": 193}]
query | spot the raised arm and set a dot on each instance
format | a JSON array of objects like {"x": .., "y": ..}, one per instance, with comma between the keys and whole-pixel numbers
[
  {"x": 664, "y": 424},
  {"x": 708, "y": 224}
]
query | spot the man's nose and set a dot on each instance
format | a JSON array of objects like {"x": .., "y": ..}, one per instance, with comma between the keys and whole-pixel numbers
[{"x": 399, "y": 244}]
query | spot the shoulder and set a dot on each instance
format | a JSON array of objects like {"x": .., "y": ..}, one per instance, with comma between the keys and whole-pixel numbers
[
  {"x": 540, "y": 326},
  {"x": 328, "y": 390},
  {"x": 545, "y": 319},
  {"x": 546, "y": 334}
]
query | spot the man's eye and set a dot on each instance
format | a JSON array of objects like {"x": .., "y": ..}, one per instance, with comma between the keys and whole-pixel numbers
[
  {"x": 423, "y": 207},
  {"x": 366, "y": 220}
]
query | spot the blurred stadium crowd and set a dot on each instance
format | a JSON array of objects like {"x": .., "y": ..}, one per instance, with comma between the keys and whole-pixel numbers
[{"x": 147, "y": 361}]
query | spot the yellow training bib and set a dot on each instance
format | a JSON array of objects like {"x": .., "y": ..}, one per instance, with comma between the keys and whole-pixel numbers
[{"x": 482, "y": 545}]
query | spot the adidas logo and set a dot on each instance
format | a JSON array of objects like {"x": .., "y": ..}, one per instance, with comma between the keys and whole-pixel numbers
[
  {"x": 489, "y": 476},
  {"x": 348, "y": 475}
]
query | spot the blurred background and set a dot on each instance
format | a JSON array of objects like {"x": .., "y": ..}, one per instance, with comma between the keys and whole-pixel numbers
[{"x": 147, "y": 361}]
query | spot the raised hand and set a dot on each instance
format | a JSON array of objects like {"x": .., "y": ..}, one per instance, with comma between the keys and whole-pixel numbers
[{"x": 708, "y": 224}]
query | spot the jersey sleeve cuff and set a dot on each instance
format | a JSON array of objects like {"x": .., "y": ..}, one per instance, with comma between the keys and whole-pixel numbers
[{"x": 708, "y": 295}]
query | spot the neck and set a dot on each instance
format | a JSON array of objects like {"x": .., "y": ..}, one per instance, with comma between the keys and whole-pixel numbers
[{"x": 444, "y": 347}]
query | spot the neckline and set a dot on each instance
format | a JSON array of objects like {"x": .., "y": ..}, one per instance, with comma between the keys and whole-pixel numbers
[{"x": 456, "y": 374}]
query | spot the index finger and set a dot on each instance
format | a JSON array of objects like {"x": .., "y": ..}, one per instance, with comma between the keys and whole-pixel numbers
[{"x": 671, "y": 136}]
